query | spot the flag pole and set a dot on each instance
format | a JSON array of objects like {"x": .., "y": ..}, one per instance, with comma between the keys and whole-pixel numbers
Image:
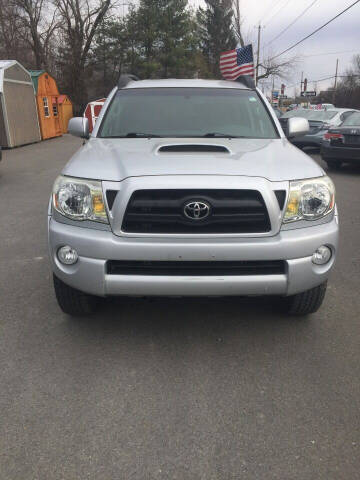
[{"x": 258, "y": 55}]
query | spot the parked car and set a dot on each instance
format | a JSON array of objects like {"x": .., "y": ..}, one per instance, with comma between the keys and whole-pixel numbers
[
  {"x": 277, "y": 111},
  {"x": 319, "y": 120},
  {"x": 322, "y": 106},
  {"x": 293, "y": 106},
  {"x": 190, "y": 188},
  {"x": 342, "y": 144}
]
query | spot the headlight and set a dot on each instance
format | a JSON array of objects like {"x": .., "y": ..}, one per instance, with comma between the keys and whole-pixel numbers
[
  {"x": 79, "y": 199},
  {"x": 310, "y": 199}
]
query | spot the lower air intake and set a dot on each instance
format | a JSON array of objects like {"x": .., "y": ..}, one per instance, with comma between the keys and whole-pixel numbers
[{"x": 196, "y": 268}]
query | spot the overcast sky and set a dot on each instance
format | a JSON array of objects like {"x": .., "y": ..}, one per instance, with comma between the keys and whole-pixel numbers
[{"x": 343, "y": 34}]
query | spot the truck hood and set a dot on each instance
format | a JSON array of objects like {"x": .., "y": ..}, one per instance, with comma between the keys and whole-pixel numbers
[{"x": 117, "y": 159}]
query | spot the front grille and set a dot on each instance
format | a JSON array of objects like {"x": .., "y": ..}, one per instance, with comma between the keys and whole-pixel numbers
[
  {"x": 162, "y": 211},
  {"x": 281, "y": 196},
  {"x": 110, "y": 197},
  {"x": 184, "y": 268}
]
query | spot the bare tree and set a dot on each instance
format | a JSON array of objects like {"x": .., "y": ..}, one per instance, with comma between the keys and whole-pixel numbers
[
  {"x": 12, "y": 44},
  {"x": 279, "y": 68},
  {"x": 80, "y": 20},
  {"x": 39, "y": 25}
]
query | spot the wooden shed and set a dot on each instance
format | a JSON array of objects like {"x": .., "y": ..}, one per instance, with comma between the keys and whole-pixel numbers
[
  {"x": 18, "y": 114},
  {"x": 92, "y": 111},
  {"x": 65, "y": 112},
  {"x": 47, "y": 95}
]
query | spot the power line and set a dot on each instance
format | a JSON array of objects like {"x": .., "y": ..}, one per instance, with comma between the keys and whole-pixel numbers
[
  {"x": 293, "y": 22},
  {"x": 276, "y": 12},
  {"x": 309, "y": 81},
  {"x": 317, "y": 30},
  {"x": 268, "y": 10},
  {"x": 329, "y": 53},
  {"x": 266, "y": 85},
  {"x": 323, "y": 79}
]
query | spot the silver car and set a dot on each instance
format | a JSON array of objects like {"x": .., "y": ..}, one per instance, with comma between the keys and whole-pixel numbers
[
  {"x": 320, "y": 121},
  {"x": 190, "y": 188}
]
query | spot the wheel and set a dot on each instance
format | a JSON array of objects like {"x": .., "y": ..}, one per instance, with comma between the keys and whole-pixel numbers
[
  {"x": 306, "y": 302},
  {"x": 334, "y": 164},
  {"x": 72, "y": 301}
]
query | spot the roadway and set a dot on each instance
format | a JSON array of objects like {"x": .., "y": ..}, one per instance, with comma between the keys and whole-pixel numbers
[{"x": 188, "y": 389}]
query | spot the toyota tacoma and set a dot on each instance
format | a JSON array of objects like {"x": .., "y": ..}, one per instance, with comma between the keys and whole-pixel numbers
[{"x": 190, "y": 188}]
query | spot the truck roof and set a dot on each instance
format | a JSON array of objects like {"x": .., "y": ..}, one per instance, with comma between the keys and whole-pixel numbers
[{"x": 185, "y": 83}]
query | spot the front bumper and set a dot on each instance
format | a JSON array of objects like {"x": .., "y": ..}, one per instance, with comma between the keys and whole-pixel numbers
[{"x": 95, "y": 247}]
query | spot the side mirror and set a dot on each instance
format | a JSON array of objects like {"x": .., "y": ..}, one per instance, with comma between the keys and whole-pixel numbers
[
  {"x": 297, "y": 126},
  {"x": 79, "y": 127}
]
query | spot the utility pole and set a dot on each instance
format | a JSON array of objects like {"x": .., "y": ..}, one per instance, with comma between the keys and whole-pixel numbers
[
  {"x": 335, "y": 83},
  {"x": 258, "y": 55},
  {"x": 301, "y": 83},
  {"x": 124, "y": 4}
]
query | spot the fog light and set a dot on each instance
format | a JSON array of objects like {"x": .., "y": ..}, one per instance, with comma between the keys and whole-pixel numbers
[
  {"x": 322, "y": 255},
  {"x": 67, "y": 255}
]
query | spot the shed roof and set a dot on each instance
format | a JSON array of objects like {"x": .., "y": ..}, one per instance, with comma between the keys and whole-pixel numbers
[
  {"x": 62, "y": 98},
  {"x": 35, "y": 74},
  {"x": 4, "y": 65},
  {"x": 7, "y": 63}
]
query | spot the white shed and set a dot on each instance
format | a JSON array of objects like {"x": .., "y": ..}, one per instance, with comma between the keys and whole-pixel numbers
[{"x": 19, "y": 124}]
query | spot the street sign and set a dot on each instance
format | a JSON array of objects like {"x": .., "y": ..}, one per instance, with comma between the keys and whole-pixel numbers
[
  {"x": 308, "y": 94},
  {"x": 275, "y": 93}
]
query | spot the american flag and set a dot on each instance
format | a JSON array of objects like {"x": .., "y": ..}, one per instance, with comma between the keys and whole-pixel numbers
[{"x": 237, "y": 62}]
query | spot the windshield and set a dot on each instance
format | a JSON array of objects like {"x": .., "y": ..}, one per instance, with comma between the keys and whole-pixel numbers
[
  {"x": 296, "y": 113},
  {"x": 316, "y": 115},
  {"x": 187, "y": 112},
  {"x": 353, "y": 120},
  {"x": 321, "y": 115}
]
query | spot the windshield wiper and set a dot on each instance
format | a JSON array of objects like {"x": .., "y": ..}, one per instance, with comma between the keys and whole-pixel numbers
[
  {"x": 219, "y": 134},
  {"x": 140, "y": 134}
]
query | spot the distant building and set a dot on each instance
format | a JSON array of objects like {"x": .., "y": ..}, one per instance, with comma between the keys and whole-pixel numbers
[
  {"x": 65, "y": 112},
  {"x": 92, "y": 111}
]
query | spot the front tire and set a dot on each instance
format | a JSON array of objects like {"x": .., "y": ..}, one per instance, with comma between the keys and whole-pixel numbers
[
  {"x": 72, "y": 301},
  {"x": 306, "y": 302}
]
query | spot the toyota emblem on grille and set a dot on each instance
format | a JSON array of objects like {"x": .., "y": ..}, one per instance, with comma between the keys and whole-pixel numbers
[{"x": 197, "y": 210}]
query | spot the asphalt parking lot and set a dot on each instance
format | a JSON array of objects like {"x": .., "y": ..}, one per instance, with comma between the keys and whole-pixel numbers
[{"x": 183, "y": 389}]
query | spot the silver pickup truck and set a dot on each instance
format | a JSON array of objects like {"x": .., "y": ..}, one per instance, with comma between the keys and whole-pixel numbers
[{"x": 190, "y": 188}]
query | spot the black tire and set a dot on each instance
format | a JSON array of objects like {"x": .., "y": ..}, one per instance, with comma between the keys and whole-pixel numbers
[
  {"x": 72, "y": 301},
  {"x": 306, "y": 302},
  {"x": 334, "y": 164}
]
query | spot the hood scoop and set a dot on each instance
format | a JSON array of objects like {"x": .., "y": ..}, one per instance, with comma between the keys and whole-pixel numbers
[{"x": 193, "y": 148}]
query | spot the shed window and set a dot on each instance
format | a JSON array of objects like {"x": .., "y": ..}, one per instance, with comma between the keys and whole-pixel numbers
[
  {"x": 55, "y": 110},
  {"x": 46, "y": 107}
]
